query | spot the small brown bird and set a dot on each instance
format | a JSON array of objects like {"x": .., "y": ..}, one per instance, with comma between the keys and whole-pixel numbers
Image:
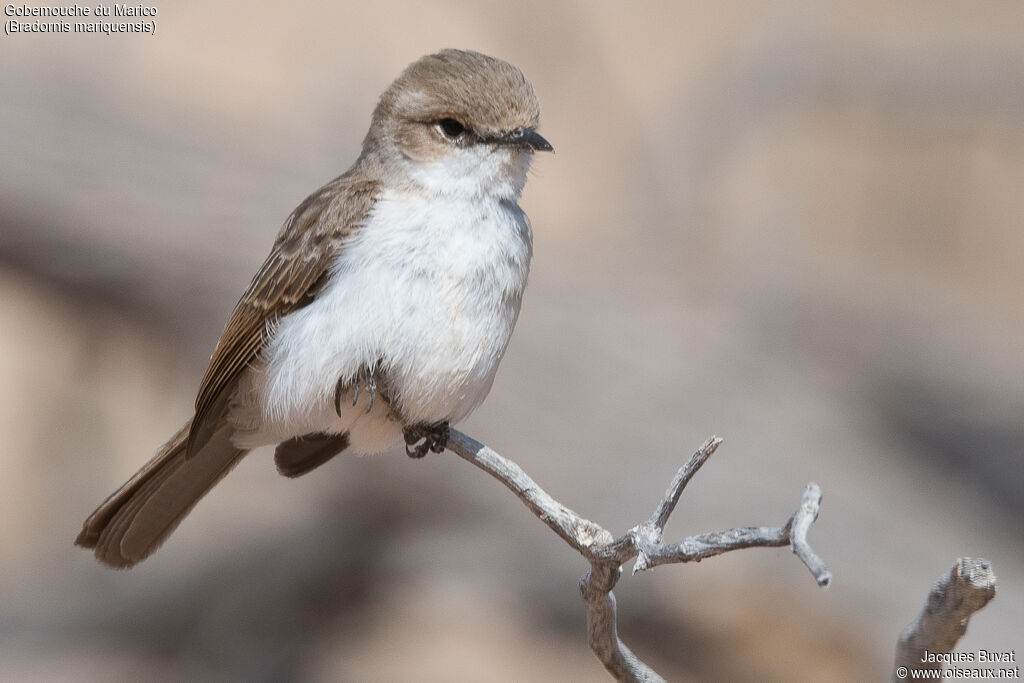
[{"x": 384, "y": 308}]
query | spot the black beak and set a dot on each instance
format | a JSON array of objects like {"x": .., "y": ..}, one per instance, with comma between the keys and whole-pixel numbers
[{"x": 527, "y": 137}]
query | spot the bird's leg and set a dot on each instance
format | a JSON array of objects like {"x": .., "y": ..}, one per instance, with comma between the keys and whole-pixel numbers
[{"x": 434, "y": 437}]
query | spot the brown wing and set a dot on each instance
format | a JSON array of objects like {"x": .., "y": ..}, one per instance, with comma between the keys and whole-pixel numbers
[{"x": 289, "y": 279}]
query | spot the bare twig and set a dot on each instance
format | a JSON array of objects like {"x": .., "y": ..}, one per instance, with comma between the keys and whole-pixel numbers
[
  {"x": 607, "y": 554},
  {"x": 575, "y": 530},
  {"x": 679, "y": 482},
  {"x": 800, "y": 524},
  {"x": 793, "y": 533},
  {"x": 968, "y": 587},
  {"x": 602, "y": 629}
]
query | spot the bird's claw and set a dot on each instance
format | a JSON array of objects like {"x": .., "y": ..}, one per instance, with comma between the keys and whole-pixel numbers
[
  {"x": 367, "y": 376},
  {"x": 371, "y": 387},
  {"x": 338, "y": 390}
]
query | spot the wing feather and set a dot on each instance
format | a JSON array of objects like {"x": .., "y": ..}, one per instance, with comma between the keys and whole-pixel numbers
[{"x": 293, "y": 273}]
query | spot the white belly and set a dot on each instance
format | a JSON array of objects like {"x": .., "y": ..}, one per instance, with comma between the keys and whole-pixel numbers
[{"x": 430, "y": 291}]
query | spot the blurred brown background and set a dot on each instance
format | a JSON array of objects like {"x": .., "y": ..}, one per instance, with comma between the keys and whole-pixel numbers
[{"x": 799, "y": 226}]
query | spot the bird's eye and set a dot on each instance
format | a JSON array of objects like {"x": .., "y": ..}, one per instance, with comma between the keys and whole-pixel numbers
[{"x": 451, "y": 128}]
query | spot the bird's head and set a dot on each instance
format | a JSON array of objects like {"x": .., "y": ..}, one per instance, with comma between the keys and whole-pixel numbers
[{"x": 459, "y": 122}]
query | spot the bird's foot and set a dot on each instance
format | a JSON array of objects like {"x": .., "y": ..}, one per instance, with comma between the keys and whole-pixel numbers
[
  {"x": 434, "y": 438},
  {"x": 367, "y": 376}
]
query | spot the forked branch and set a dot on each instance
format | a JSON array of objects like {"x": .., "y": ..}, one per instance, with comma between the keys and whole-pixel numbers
[{"x": 607, "y": 554}]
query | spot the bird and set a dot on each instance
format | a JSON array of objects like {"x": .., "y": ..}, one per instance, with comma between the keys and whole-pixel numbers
[{"x": 382, "y": 312}]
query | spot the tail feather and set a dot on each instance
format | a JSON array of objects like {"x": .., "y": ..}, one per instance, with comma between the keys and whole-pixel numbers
[
  {"x": 101, "y": 517},
  {"x": 108, "y": 544},
  {"x": 138, "y": 517}
]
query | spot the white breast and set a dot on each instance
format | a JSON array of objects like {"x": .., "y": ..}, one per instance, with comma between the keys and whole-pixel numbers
[{"x": 430, "y": 289}]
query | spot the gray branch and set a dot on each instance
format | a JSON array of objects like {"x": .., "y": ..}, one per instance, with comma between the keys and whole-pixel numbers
[
  {"x": 607, "y": 554},
  {"x": 968, "y": 587}
]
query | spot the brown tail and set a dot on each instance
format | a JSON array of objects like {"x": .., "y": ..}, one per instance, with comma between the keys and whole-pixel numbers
[{"x": 138, "y": 517}]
